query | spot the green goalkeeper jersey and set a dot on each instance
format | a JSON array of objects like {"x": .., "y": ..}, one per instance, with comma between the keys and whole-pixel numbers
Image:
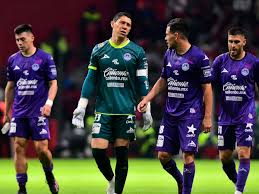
[{"x": 120, "y": 75}]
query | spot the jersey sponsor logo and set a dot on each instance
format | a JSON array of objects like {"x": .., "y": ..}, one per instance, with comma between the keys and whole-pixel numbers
[
  {"x": 26, "y": 72},
  {"x": 249, "y": 138},
  {"x": 43, "y": 132},
  {"x": 219, "y": 129},
  {"x": 115, "y": 61},
  {"x": 16, "y": 67},
  {"x": 41, "y": 121},
  {"x": 185, "y": 66},
  {"x": 230, "y": 88},
  {"x": 127, "y": 56},
  {"x": 35, "y": 67},
  {"x": 220, "y": 140},
  {"x": 176, "y": 72},
  {"x": 53, "y": 71},
  {"x": 234, "y": 98},
  {"x": 105, "y": 56},
  {"x": 131, "y": 130},
  {"x": 25, "y": 84},
  {"x": 191, "y": 144},
  {"x": 114, "y": 74},
  {"x": 115, "y": 85},
  {"x": 175, "y": 95},
  {"x": 234, "y": 77},
  {"x": 13, "y": 127},
  {"x": 206, "y": 72},
  {"x": 245, "y": 71},
  {"x": 96, "y": 128},
  {"x": 224, "y": 71},
  {"x": 130, "y": 119},
  {"x": 161, "y": 129},
  {"x": 160, "y": 141}
]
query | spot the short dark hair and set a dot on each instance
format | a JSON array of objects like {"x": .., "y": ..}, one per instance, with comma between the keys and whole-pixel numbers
[
  {"x": 120, "y": 14},
  {"x": 237, "y": 30},
  {"x": 179, "y": 25},
  {"x": 23, "y": 28}
]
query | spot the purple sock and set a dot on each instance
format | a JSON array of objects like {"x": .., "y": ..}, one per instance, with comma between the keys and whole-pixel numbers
[
  {"x": 172, "y": 169},
  {"x": 243, "y": 171},
  {"x": 188, "y": 176},
  {"x": 21, "y": 178}
]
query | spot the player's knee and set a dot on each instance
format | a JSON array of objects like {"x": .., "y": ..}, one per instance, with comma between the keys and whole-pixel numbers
[
  {"x": 243, "y": 153},
  {"x": 225, "y": 157},
  {"x": 164, "y": 157},
  {"x": 188, "y": 157},
  {"x": 41, "y": 150}
]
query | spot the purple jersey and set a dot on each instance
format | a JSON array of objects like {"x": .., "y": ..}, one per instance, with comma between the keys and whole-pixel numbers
[
  {"x": 236, "y": 80},
  {"x": 185, "y": 75},
  {"x": 31, "y": 76}
]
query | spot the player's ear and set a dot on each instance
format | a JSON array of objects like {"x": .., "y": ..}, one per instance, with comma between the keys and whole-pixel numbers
[
  {"x": 244, "y": 41},
  {"x": 112, "y": 23}
]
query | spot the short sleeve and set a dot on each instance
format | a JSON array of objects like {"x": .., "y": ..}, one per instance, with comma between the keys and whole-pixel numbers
[
  {"x": 205, "y": 69},
  {"x": 9, "y": 71},
  {"x": 51, "y": 70}
]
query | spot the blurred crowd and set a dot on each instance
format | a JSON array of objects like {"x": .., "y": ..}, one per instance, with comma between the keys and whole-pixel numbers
[{"x": 209, "y": 21}]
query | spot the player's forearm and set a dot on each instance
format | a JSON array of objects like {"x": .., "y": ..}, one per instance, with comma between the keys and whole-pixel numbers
[
  {"x": 208, "y": 100},
  {"x": 159, "y": 86},
  {"x": 9, "y": 96},
  {"x": 88, "y": 85},
  {"x": 53, "y": 88}
]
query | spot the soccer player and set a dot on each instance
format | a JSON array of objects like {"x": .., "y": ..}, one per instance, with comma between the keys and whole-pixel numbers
[
  {"x": 186, "y": 76},
  {"x": 31, "y": 88},
  {"x": 118, "y": 71},
  {"x": 235, "y": 74}
]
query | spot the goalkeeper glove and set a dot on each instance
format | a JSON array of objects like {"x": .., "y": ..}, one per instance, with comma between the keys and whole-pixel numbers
[
  {"x": 147, "y": 118},
  {"x": 79, "y": 113}
]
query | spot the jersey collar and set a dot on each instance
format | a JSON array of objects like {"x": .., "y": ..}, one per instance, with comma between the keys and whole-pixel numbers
[{"x": 120, "y": 45}]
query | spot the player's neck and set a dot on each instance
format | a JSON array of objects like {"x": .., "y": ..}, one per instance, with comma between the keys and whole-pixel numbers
[
  {"x": 29, "y": 52},
  {"x": 239, "y": 57},
  {"x": 183, "y": 47},
  {"x": 118, "y": 40}
]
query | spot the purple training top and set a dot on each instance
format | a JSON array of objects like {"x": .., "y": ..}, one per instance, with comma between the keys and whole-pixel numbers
[
  {"x": 31, "y": 76},
  {"x": 185, "y": 75},
  {"x": 236, "y": 79}
]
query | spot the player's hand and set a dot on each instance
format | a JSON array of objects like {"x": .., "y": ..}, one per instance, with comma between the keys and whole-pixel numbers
[
  {"x": 46, "y": 110},
  {"x": 5, "y": 128},
  {"x": 78, "y": 117},
  {"x": 206, "y": 125},
  {"x": 142, "y": 106},
  {"x": 148, "y": 120}
]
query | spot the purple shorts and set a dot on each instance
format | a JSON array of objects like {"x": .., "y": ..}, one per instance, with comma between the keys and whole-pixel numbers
[
  {"x": 228, "y": 135},
  {"x": 37, "y": 128},
  {"x": 174, "y": 135}
]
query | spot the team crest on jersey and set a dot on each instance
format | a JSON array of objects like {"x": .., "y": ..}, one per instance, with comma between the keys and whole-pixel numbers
[
  {"x": 245, "y": 71},
  {"x": 185, "y": 66},
  {"x": 127, "y": 56},
  {"x": 35, "y": 67}
]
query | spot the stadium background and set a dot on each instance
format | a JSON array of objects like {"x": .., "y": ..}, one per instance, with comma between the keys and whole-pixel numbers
[{"x": 69, "y": 30}]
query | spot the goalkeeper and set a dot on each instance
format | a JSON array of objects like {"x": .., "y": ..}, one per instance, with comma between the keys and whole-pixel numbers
[{"x": 118, "y": 70}]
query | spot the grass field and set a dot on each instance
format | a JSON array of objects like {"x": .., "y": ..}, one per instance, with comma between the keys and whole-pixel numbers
[{"x": 145, "y": 177}]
